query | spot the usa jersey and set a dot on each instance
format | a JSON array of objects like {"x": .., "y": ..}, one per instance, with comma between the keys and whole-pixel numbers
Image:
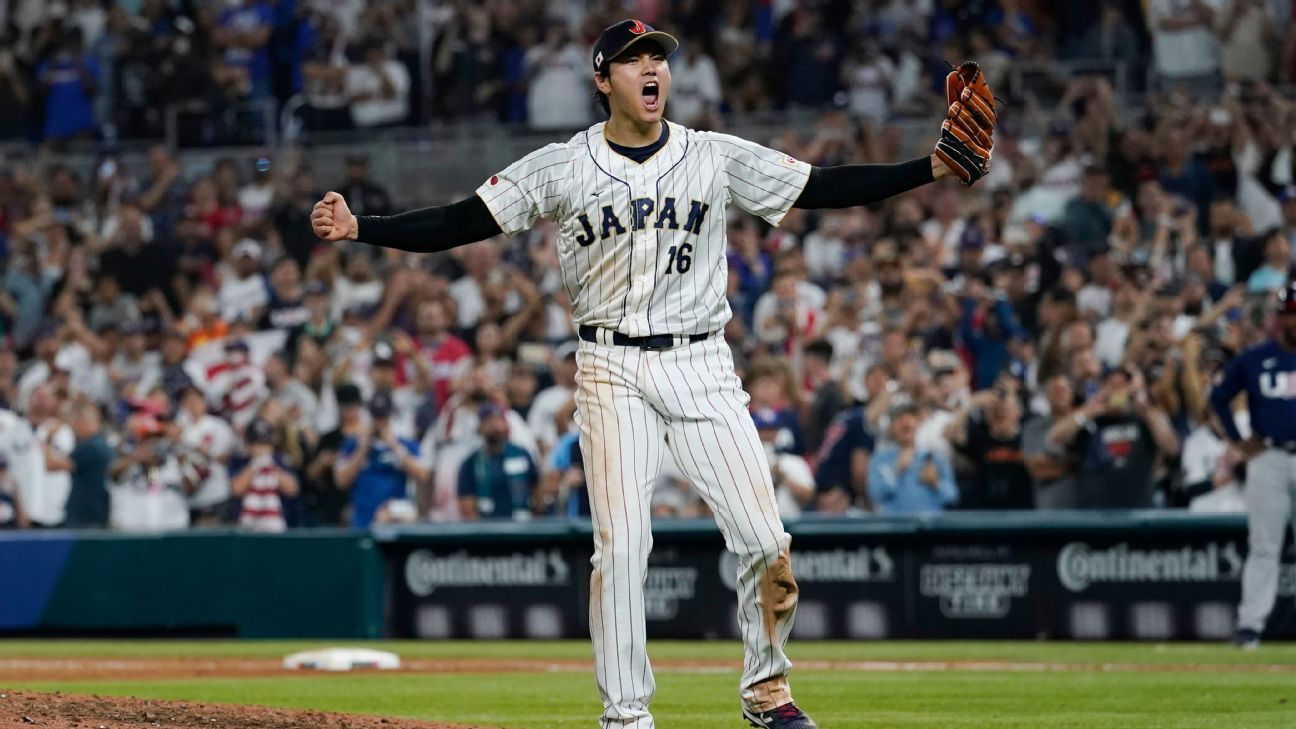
[
  {"x": 642, "y": 246},
  {"x": 1267, "y": 374}
]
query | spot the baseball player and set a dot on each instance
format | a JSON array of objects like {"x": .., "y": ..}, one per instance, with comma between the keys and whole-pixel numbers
[
  {"x": 1267, "y": 374},
  {"x": 639, "y": 205}
]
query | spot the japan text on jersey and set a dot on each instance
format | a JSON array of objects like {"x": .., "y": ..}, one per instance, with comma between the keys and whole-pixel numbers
[{"x": 642, "y": 245}]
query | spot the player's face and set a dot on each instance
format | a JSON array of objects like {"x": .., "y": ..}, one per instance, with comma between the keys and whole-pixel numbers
[{"x": 637, "y": 84}]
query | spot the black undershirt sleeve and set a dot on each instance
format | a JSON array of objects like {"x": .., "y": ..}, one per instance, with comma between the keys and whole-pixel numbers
[
  {"x": 849, "y": 185},
  {"x": 430, "y": 230}
]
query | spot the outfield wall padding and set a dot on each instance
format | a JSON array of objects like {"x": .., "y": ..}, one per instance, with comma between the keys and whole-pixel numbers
[
  {"x": 325, "y": 584},
  {"x": 1126, "y": 575}
]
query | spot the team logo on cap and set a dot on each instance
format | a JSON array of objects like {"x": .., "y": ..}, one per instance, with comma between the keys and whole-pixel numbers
[
  {"x": 598, "y": 60},
  {"x": 638, "y": 28}
]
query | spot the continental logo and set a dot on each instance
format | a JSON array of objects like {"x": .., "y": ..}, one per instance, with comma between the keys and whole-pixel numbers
[
  {"x": 1079, "y": 566},
  {"x": 425, "y": 571}
]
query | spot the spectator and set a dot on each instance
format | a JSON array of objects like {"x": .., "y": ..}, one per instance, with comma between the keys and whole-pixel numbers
[
  {"x": 243, "y": 34},
  {"x": 12, "y": 515},
  {"x": 990, "y": 330},
  {"x": 546, "y": 405},
  {"x": 1111, "y": 39},
  {"x": 843, "y": 464},
  {"x": 904, "y": 479},
  {"x": 379, "y": 89},
  {"x": 261, "y": 482},
  {"x": 695, "y": 90},
  {"x": 87, "y": 503},
  {"x": 208, "y": 442},
  {"x": 499, "y": 480},
  {"x": 1119, "y": 436},
  {"x": 69, "y": 79},
  {"x": 1088, "y": 217},
  {"x": 447, "y": 354},
  {"x": 45, "y": 499},
  {"x": 557, "y": 82},
  {"x": 324, "y": 76},
  {"x": 563, "y": 483},
  {"x": 286, "y": 307},
  {"x": 1185, "y": 47},
  {"x": 1276, "y": 270},
  {"x": 323, "y": 497},
  {"x": 151, "y": 488},
  {"x": 988, "y": 433},
  {"x": 235, "y": 386},
  {"x": 794, "y": 485},
  {"x": 243, "y": 293},
  {"x": 823, "y": 396},
  {"x": 1248, "y": 31},
  {"x": 1052, "y": 466},
  {"x": 370, "y": 197},
  {"x": 375, "y": 465}
]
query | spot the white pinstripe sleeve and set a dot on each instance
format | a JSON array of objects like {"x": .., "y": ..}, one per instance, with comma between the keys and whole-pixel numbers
[
  {"x": 762, "y": 181},
  {"x": 528, "y": 189}
]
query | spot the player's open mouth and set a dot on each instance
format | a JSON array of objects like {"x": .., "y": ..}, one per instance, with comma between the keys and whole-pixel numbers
[{"x": 650, "y": 95}]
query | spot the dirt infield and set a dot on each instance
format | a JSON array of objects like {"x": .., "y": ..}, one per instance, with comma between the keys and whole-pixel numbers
[{"x": 60, "y": 711}]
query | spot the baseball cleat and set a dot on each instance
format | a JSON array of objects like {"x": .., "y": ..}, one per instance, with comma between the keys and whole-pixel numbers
[
  {"x": 787, "y": 716},
  {"x": 1247, "y": 640}
]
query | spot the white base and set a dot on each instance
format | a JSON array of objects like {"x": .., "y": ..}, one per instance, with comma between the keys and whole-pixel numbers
[{"x": 342, "y": 659}]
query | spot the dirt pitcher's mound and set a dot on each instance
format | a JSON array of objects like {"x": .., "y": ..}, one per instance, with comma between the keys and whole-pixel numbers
[{"x": 60, "y": 711}]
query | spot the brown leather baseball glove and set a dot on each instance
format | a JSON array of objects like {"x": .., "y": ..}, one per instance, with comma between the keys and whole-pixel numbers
[{"x": 967, "y": 135}]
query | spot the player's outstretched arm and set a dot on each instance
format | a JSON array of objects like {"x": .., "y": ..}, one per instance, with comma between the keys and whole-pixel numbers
[
  {"x": 846, "y": 186},
  {"x": 427, "y": 230}
]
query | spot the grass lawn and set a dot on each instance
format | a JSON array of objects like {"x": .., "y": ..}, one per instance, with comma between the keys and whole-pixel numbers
[{"x": 1128, "y": 691}]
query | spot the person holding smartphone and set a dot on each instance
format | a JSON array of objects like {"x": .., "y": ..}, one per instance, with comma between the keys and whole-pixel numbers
[{"x": 1119, "y": 435}]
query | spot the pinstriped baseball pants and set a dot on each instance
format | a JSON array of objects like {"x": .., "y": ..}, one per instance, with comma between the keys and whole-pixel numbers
[{"x": 633, "y": 405}]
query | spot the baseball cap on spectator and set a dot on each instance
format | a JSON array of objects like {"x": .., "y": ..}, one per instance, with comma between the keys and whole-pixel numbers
[
  {"x": 134, "y": 326},
  {"x": 317, "y": 288},
  {"x": 1287, "y": 194},
  {"x": 904, "y": 406},
  {"x": 348, "y": 395},
  {"x": 358, "y": 309},
  {"x": 381, "y": 405},
  {"x": 64, "y": 361},
  {"x": 146, "y": 426},
  {"x": 236, "y": 345},
  {"x": 1287, "y": 298},
  {"x": 489, "y": 410},
  {"x": 247, "y": 247},
  {"x": 384, "y": 354},
  {"x": 565, "y": 350},
  {"x": 260, "y": 431}
]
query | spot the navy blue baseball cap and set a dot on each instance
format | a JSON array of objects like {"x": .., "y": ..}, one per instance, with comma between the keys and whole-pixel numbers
[
  {"x": 767, "y": 418},
  {"x": 381, "y": 404},
  {"x": 615, "y": 39}
]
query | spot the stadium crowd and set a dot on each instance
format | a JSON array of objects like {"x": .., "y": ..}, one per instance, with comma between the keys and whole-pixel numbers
[{"x": 181, "y": 351}]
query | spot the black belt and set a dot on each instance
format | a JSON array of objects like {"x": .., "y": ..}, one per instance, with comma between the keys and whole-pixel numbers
[
  {"x": 1285, "y": 445},
  {"x": 655, "y": 341}
]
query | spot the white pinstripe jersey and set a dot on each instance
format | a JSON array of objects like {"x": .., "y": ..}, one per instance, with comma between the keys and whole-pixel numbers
[{"x": 643, "y": 246}]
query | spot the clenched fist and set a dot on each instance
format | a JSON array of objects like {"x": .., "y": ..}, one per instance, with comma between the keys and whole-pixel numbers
[{"x": 331, "y": 219}]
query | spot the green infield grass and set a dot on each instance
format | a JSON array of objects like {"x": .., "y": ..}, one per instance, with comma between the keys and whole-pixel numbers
[{"x": 961, "y": 685}]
